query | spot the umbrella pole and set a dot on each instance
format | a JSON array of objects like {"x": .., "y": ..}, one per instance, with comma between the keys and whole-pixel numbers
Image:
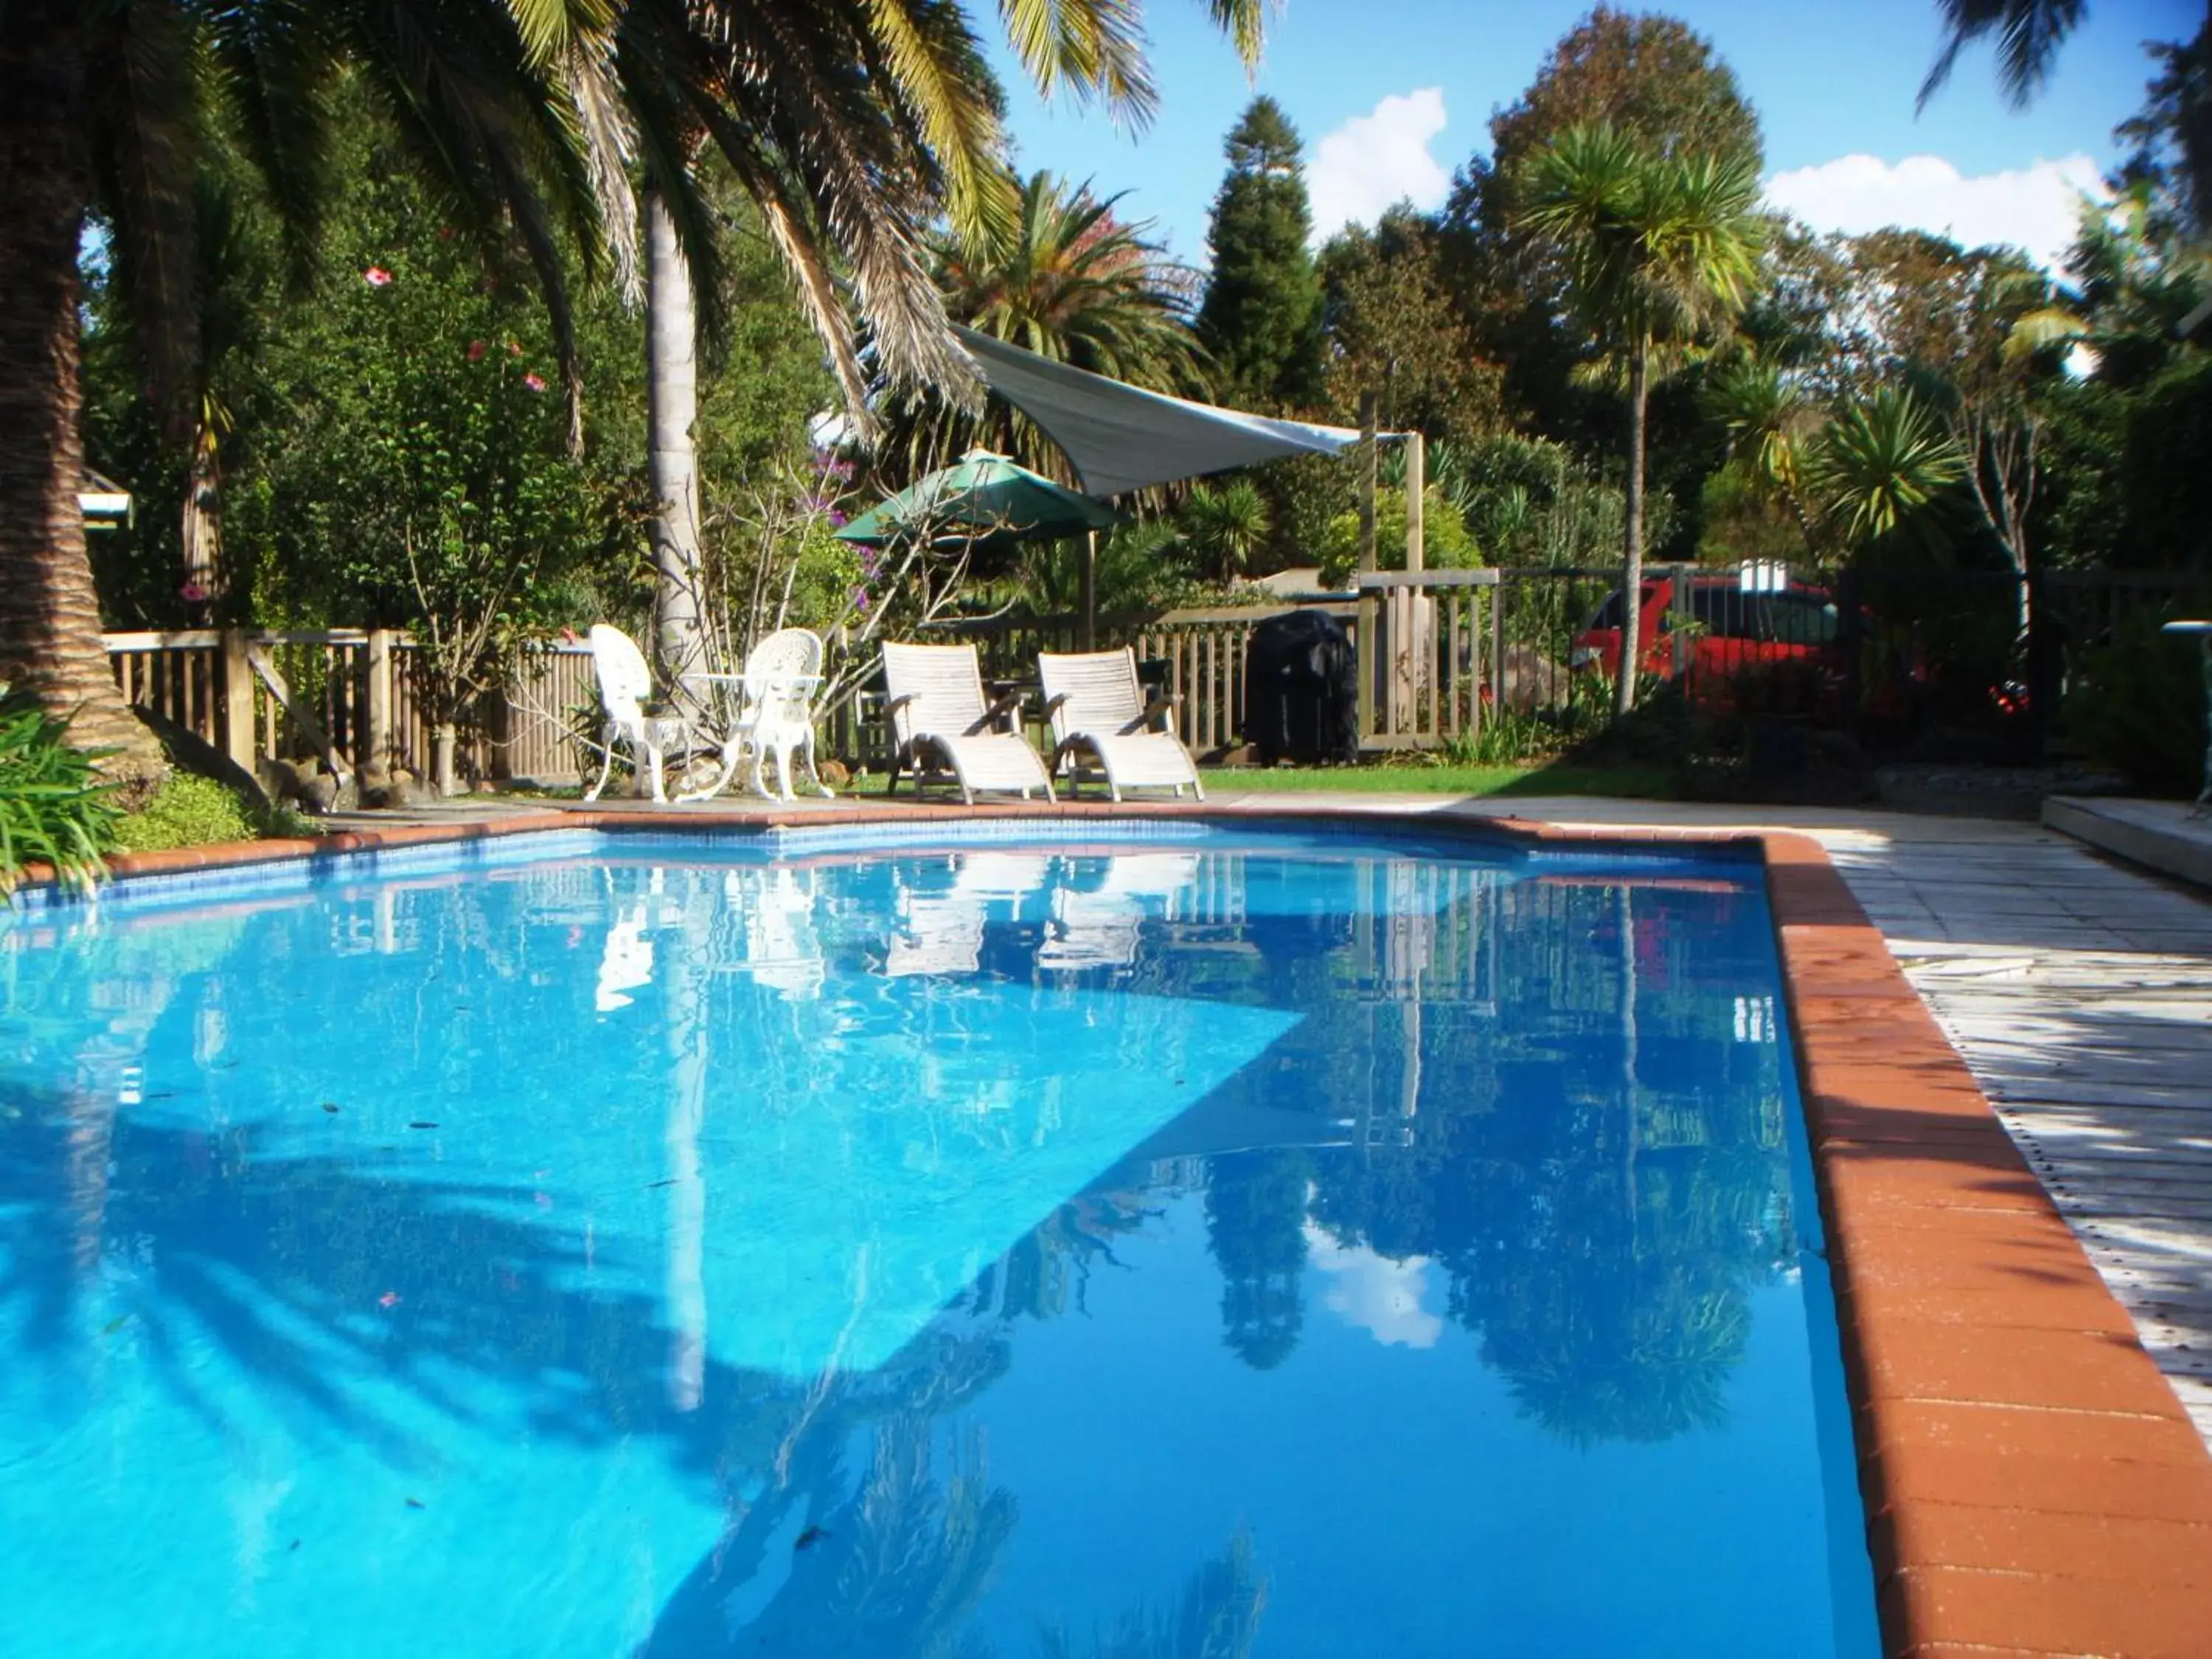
[{"x": 1086, "y": 637}]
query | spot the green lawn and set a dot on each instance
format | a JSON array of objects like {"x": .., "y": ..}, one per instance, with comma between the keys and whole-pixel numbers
[{"x": 1543, "y": 779}]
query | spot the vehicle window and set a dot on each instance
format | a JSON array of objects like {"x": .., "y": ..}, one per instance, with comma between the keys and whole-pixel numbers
[
  {"x": 1609, "y": 614},
  {"x": 1728, "y": 613},
  {"x": 1802, "y": 619}
]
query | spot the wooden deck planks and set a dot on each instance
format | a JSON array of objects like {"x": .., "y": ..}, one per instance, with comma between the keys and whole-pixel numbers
[{"x": 2080, "y": 994}]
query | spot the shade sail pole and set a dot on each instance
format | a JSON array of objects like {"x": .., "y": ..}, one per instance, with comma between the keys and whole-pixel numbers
[{"x": 1087, "y": 633}]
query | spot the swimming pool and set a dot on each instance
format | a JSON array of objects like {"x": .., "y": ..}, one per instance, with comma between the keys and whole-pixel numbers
[{"x": 1184, "y": 1243}]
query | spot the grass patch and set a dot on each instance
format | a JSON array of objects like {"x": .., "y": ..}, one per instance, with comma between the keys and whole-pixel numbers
[{"x": 1555, "y": 779}]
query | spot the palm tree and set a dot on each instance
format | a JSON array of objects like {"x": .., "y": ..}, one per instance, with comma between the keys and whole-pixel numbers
[
  {"x": 1066, "y": 279},
  {"x": 1657, "y": 248},
  {"x": 1226, "y": 523},
  {"x": 1879, "y": 466},
  {"x": 847, "y": 121},
  {"x": 101, "y": 106}
]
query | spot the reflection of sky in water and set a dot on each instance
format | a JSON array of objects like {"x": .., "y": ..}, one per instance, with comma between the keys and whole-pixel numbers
[
  {"x": 676, "y": 1253},
  {"x": 1374, "y": 1293}
]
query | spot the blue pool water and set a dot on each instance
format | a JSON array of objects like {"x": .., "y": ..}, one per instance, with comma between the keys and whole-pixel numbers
[{"x": 1183, "y": 1248}]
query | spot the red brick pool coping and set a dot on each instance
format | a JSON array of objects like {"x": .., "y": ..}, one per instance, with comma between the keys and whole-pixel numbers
[{"x": 2030, "y": 1483}]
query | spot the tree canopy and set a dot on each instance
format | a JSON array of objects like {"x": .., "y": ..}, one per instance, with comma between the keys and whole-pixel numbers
[{"x": 1262, "y": 317}]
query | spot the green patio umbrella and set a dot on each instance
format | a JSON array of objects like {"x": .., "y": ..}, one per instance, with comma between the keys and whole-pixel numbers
[{"x": 985, "y": 501}]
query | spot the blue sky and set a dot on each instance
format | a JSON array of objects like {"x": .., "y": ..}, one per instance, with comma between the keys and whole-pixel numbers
[{"x": 1829, "y": 80}]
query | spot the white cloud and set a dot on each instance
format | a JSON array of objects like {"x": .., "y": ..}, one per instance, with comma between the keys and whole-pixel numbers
[
  {"x": 1374, "y": 1293},
  {"x": 2032, "y": 208},
  {"x": 1374, "y": 160}
]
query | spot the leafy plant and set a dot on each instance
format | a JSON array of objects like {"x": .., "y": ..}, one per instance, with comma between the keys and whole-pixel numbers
[
  {"x": 1225, "y": 524},
  {"x": 188, "y": 811},
  {"x": 55, "y": 809},
  {"x": 2140, "y": 708}
]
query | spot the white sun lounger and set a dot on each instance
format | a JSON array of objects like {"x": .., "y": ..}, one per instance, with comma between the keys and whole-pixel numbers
[
  {"x": 1099, "y": 709},
  {"x": 1102, "y": 927},
  {"x": 939, "y": 930},
  {"x": 933, "y": 696}
]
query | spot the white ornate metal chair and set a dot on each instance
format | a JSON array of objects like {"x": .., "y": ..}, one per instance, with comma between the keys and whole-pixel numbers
[
  {"x": 1097, "y": 706},
  {"x": 934, "y": 697},
  {"x": 775, "y": 714},
  {"x": 625, "y": 687}
]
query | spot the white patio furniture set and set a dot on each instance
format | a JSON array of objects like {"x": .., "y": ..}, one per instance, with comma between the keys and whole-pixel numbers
[
  {"x": 943, "y": 723},
  {"x": 766, "y": 711}
]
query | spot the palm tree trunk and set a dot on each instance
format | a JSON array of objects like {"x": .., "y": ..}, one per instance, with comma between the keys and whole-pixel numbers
[
  {"x": 49, "y": 612},
  {"x": 672, "y": 407},
  {"x": 201, "y": 531},
  {"x": 1631, "y": 578}
]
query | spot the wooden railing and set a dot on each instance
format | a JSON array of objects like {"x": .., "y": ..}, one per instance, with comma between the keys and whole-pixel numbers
[
  {"x": 349, "y": 697},
  {"x": 1429, "y": 645}
]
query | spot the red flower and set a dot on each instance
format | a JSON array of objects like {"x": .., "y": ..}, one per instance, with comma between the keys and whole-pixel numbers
[
  {"x": 377, "y": 277},
  {"x": 533, "y": 383},
  {"x": 476, "y": 351}
]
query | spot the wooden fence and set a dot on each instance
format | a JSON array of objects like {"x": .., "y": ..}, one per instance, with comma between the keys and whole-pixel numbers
[{"x": 349, "y": 697}]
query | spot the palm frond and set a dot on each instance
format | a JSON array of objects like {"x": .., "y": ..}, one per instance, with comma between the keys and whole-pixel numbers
[
  {"x": 609, "y": 145},
  {"x": 934, "y": 69},
  {"x": 1095, "y": 48},
  {"x": 275, "y": 63},
  {"x": 1880, "y": 464},
  {"x": 1244, "y": 21},
  {"x": 147, "y": 159},
  {"x": 2028, "y": 35},
  {"x": 2040, "y": 329}
]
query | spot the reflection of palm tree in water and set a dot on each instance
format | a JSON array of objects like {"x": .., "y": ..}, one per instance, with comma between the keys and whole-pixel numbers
[
  {"x": 1256, "y": 1213},
  {"x": 1217, "y": 1617}
]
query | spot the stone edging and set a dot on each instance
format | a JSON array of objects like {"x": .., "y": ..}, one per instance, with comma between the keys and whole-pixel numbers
[{"x": 2030, "y": 1483}]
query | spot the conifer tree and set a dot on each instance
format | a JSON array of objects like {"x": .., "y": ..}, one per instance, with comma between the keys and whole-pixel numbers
[{"x": 1263, "y": 314}]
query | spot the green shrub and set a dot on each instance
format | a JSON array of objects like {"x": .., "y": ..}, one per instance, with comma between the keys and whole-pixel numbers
[
  {"x": 54, "y": 806},
  {"x": 195, "y": 811},
  {"x": 2139, "y": 708}
]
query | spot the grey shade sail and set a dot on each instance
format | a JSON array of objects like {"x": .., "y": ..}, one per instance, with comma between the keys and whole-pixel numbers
[{"x": 1120, "y": 437}]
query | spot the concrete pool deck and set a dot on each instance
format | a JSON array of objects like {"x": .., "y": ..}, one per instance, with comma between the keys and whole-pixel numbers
[{"x": 2032, "y": 1482}]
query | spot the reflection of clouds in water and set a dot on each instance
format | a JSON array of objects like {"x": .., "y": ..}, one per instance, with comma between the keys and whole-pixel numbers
[{"x": 1374, "y": 1292}]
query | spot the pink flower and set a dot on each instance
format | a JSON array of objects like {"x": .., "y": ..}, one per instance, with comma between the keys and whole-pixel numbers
[
  {"x": 476, "y": 351},
  {"x": 533, "y": 383},
  {"x": 514, "y": 348},
  {"x": 192, "y": 594},
  {"x": 377, "y": 277}
]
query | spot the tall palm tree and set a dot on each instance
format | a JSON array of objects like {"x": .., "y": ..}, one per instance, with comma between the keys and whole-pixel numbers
[
  {"x": 848, "y": 121},
  {"x": 1657, "y": 248},
  {"x": 1065, "y": 278},
  {"x": 102, "y": 105},
  {"x": 685, "y": 82}
]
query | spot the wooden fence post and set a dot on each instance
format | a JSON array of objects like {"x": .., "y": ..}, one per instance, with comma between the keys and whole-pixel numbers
[
  {"x": 376, "y": 745},
  {"x": 240, "y": 742}
]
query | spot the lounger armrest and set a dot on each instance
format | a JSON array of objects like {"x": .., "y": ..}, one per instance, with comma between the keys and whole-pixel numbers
[
  {"x": 1008, "y": 703},
  {"x": 1159, "y": 709},
  {"x": 1053, "y": 705},
  {"x": 892, "y": 705}
]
